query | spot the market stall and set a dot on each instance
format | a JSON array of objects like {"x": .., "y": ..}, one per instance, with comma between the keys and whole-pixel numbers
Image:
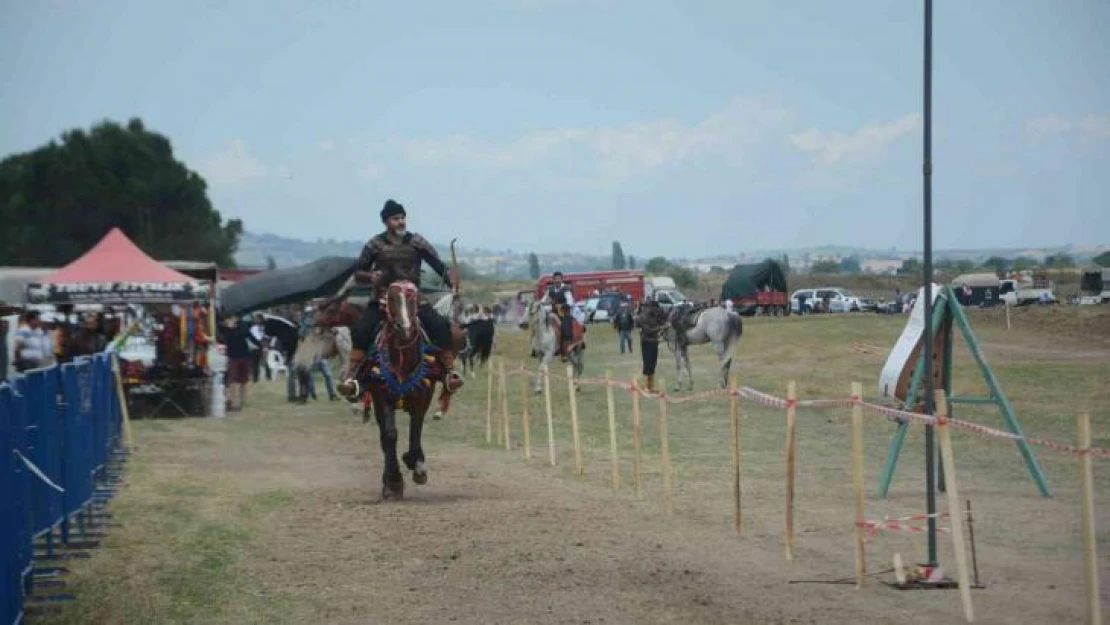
[{"x": 164, "y": 351}]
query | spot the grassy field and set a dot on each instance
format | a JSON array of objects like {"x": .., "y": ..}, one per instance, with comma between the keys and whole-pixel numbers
[{"x": 270, "y": 515}]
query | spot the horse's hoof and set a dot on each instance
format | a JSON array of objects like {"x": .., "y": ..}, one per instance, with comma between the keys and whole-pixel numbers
[
  {"x": 394, "y": 491},
  {"x": 420, "y": 474},
  {"x": 438, "y": 415}
]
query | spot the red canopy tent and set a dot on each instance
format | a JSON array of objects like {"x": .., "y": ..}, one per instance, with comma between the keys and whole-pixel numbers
[{"x": 116, "y": 271}]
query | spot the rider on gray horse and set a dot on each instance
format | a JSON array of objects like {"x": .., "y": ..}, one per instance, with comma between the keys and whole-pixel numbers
[
  {"x": 561, "y": 297},
  {"x": 397, "y": 254}
]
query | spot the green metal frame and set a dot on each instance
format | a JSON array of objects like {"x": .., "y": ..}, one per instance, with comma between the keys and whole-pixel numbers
[{"x": 944, "y": 317}]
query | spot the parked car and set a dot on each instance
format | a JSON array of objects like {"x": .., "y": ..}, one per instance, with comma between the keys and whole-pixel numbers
[
  {"x": 603, "y": 308},
  {"x": 839, "y": 300}
]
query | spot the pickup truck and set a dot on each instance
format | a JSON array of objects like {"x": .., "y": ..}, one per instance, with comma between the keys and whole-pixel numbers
[{"x": 1021, "y": 293}]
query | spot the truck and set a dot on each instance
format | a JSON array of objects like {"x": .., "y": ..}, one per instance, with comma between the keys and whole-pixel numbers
[
  {"x": 757, "y": 288},
  {"x": 1094, "y": 286},
  {"x": 583, "y": 284},
  {"x": 1026, "y": 289},
  {"x": 663, "y": 290}
]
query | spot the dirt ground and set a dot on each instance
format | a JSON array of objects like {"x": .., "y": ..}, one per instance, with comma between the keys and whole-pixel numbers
[{"x": 272, "y": 515}]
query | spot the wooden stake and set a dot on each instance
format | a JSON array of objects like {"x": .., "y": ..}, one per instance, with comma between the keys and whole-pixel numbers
[
  {"x": 1087, "y": 487},
  {"x": 734, "y": 411},
  {"x": 547, "y": 408},
  {"x": 857, "y": 470},
  {"x": 788, "y": 523},
  {"x": 574, "y": 420},
  {"x": 612, "y": 430},
  {"x": 1007, "y": 316},
  {"x": 125, "y": 411},
  {"x": 665, "y": 451},
  {"x": 503, "y": 434},
  {"x": 525, "y": 420},
  {"x": 946, "y": 457},
  {"x": 637, "y": 443},
  {"x": 489, "y": 404}
]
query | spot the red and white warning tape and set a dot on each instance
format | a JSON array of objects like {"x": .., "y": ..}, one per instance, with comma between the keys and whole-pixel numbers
[{"x": 772, "y": 401}]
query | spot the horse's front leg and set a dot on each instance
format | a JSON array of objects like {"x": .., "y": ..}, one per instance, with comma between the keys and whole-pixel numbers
[
  {"x": 545, "y": 364},
  {"x": 393, "y": 483},
  {"x": 689, "y": 369},
  {"x": 678, "y": 367},
  {"x": 414, "y": 457}
]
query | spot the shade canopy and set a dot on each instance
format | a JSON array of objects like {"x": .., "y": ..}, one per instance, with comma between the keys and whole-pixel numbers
[{"x": 115, "y": 271}]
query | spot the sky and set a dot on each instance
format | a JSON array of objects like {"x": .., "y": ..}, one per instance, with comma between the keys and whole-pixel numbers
[{"x": 678, "y": 128}]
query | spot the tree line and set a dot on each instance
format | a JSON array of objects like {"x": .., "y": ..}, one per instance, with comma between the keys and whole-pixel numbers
[{"x": 60, "y": 199}]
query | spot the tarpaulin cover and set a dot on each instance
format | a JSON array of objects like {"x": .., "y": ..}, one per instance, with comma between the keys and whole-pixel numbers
[
  {"x": 747, "y": 280},
  {"x": 320, "y": 278}
]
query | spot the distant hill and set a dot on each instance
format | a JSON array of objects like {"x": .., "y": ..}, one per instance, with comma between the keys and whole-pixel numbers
[{"x": 255, "y": 250}]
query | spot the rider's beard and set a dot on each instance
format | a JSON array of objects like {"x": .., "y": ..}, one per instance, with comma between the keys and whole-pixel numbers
[{"x": 399, "y": 232}]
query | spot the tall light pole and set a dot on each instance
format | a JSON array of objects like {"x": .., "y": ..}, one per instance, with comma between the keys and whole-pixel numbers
[{"x": 927, "y": 268}]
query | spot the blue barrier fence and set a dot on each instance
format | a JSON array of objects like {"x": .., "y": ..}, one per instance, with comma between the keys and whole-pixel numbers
[{"x": 62, "y": 426}]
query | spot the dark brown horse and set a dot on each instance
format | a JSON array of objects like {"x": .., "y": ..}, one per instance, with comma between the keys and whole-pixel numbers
[{"x": 401, "y": 375}]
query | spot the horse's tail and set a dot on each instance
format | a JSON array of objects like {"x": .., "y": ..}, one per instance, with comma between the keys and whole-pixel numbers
[{"x": 735, "y": 329}]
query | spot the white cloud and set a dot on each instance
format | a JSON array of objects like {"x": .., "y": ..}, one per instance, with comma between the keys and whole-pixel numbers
[
  {"x": 615, "y": 152},
  {"x": 327, "y": 145},
  {"x": 1089, "y": 128},
  {"x": 833, "y": 147},
  {"x": 232, "y": 165}
]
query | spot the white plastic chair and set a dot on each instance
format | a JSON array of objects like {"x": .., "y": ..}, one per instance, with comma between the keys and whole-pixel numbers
[{"x": 276, "y": 362}]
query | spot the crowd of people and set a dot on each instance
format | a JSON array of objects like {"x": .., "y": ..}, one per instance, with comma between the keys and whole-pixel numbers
[{"x": 43, "y": 339}]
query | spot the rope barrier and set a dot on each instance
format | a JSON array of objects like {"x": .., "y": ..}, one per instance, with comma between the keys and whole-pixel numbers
[{"x": 772, "y": 401}]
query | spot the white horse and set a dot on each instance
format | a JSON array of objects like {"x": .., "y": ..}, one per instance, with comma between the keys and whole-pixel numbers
[
  {"x": 714, "y": 325},
  {"x": 319, "y": 344},
  {"x": 545, "y": 327}
]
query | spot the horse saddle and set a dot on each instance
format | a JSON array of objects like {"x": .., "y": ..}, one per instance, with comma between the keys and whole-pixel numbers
[{"x": 688, "y": 317}]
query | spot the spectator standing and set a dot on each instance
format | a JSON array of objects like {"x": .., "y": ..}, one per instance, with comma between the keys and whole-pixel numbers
[
  {"x": 652, "y": 321},
  {"x": 624, "y": 322}
]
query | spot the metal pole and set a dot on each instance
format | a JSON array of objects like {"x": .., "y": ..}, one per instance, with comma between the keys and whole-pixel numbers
[{"x": 927, "y": 170}]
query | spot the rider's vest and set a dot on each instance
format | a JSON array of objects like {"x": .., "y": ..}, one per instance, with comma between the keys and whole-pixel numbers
[
  {"x": 558, "y": 294},
  {"x": 399, "y": 261}
]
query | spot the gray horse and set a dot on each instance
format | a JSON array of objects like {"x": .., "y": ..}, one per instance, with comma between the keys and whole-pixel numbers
[
  {"x": 714, "y": 325},
  {"x": 545, "y": 341}
]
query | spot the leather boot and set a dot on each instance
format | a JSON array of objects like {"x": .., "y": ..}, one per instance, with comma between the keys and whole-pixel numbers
[
  {"x": 349, "y": 387},
  {"x": 452, "y": 381}
]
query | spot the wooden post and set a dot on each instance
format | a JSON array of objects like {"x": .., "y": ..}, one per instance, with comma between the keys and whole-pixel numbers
[
  {"x": 612, "y": 430},
  {"x": 125, "y": 411},
  {"x": 734, "y": 411},
  {"x": 857, "y": 470},
  {"x": 1007, "y": 316},
  {"x": 504, "y": 417},
  {"x": 948, "y": 462},
  {"x": 637, "y": 443},
  {"x": 503, "y": 432},
  {"x": 1087, "y": 488},
  {"x": 665, "y": 451},
  {"x": 788, "y": 524},
  {"x": 547, "y": 408},
  {"x": 525, "y": 419},
  {"x": 489, "y": 404},
  {"x": 574, "y": 420}
]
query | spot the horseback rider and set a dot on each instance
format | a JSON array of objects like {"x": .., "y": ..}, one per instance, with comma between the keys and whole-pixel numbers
[
  {"x": 561, "y": 298},
  {"x": 397, "y": 254}
]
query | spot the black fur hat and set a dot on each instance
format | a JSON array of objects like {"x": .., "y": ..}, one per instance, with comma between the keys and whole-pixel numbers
[{"x": 392, "y": 208}]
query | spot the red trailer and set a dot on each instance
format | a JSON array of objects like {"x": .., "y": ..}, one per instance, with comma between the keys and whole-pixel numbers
[{"x": 584, "y": 283}]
